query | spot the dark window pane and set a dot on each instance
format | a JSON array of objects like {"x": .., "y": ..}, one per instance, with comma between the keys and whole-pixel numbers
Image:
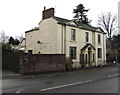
[
  {"x": 73, "y": 52},
  {"x": 29, "y": 51},
  {"x": 99, "y": 53},
  {"x": 73, "y": 34},
  {"x": 86, "y": 36},
  {"x": 99, "y": 38}
]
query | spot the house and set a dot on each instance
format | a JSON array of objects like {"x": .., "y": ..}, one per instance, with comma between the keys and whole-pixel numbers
[
  {"x": 19, "y": 47},
  {"x": 84, "y": 44},
  {"x": 22, "y": 44}
]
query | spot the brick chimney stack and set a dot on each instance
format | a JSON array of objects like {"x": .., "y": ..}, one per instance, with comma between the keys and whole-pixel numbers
[{"x": 47, "y": 13}]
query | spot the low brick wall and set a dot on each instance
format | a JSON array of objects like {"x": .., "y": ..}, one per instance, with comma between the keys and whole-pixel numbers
[{"x": 35, "y": 63}]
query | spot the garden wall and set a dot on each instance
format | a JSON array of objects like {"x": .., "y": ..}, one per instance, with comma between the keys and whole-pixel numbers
[{"x": 35, "y": 63}]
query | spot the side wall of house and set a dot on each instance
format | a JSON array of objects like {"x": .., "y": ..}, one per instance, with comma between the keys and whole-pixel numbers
[
  {"x": 31, "y": 41},
  {"x": 101, "y": 45},
  {"x": 43, "y": 40}
]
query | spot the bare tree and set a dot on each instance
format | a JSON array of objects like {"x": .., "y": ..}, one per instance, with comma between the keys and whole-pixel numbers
[
  {"x": 3, "y": 37},
  {"x": 108, "y": 22}
]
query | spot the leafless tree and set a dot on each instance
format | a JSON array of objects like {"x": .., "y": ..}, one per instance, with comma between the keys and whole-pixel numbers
[
  {"x": 3, "y": 37},
  {"x": 108, "y": 22}
]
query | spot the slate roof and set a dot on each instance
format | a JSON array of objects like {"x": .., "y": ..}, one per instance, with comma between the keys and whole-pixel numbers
[
  {"x": 36, "y": 28},
  {"x": 78, "y": 25}
]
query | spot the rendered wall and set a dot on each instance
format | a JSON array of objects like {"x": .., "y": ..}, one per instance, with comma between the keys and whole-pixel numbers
[{"x": 47, "y": 35}]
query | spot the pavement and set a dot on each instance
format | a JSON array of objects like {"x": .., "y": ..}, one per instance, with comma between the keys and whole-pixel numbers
[{"x": 12, "y": 75}]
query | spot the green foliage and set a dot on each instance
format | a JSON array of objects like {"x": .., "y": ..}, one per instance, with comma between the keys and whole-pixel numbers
[
  {"x": 80, "y": 12},
  {"x": 6, "y": 46},
  {"x": 17, "y": 42},
  {"x": 13, "y": 41},
  {"x": 11, "y": 61},
  {"x": 69, "y": 63}
]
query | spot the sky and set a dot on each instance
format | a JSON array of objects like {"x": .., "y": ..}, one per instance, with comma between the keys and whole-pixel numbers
[{"x": 18, "y": 16}]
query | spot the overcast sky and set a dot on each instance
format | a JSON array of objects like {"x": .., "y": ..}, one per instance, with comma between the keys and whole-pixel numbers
[{"x": 18, "y": 16}]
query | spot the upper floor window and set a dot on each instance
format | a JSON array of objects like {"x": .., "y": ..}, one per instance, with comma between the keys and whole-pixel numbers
[
  {"x": 86, "y": 36},
  {"x": 99, "y": 38},
  {"x": 73, "y": 35},
  {"x": 73, "y": 53}
]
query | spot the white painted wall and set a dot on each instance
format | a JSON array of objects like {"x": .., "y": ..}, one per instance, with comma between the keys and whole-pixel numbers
[
  {"x": 47, "y": 35},
  {"x": 56, "y": 39}
]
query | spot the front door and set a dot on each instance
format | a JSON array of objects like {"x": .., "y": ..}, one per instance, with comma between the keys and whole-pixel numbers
[
  {"x": 89, "y": 55},
  {"x": 82, "y": 60}
]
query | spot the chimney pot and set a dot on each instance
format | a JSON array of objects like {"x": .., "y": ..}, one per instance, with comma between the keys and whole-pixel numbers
[{"x": 44, "y": 8}]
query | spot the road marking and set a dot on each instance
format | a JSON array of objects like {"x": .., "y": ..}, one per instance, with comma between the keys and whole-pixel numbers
[
  {"x": 18, "y": 91},
  {"x": 65, "y": 85},
  {"x": 114, "y": 75},
  {"x": 109, "y": 76},
  {"x": 31, "y": 76}
]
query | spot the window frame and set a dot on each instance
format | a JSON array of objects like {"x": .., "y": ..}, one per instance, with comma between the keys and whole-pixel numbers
[
  {"x": 73, "y": 34},
  {"x": 73, "y": 52},
  {"x": 99, "y": 38},
  {"x": 99, "y": 52},
  {"x": 86, "y": 36}
]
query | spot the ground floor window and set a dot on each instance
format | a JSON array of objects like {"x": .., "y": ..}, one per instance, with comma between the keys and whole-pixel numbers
[
  {"x": 73, "y": 53},
  {"x": 86, "y": 58},
  {"x": 30, "y": 51},
  {"x": 93, "y": 57},
  {"x": 99, "y": 53}
]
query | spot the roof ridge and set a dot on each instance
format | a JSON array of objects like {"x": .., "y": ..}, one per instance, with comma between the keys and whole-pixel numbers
[{"x": 61, "y": 18}]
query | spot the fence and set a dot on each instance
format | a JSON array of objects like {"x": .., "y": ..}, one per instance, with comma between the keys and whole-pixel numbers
[
  {"x": 10, "y": 61},
  {"x": 35, "y": 63}
]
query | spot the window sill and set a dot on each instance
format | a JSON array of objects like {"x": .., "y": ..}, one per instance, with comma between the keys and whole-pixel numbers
[
  {"x": 74, "y": 60},
  {"x": 73, "y": 41},
  {"x": 99, "y": 44},
  {"x": 87, "y": 42}
]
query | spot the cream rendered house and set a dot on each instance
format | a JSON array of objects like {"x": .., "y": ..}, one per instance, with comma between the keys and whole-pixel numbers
[{"x": 84, "y": 44}]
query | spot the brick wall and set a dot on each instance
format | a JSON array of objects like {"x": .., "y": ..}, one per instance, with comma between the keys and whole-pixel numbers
[
  {"x": 47, "y": 13},
  {"x": 35, "y": 63}
]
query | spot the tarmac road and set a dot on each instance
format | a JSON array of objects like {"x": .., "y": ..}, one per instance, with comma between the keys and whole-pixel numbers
[{"x": 99, "y": 80}]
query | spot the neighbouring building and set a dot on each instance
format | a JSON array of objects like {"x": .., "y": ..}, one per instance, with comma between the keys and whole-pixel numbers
[{"x": 84, "y": 44}]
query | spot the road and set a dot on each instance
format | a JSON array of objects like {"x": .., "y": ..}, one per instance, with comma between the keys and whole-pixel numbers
[{"x": 98, "y": 80}]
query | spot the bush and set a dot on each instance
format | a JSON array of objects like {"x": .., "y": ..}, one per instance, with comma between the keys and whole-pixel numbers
[{"x": 69, "y": 63}]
